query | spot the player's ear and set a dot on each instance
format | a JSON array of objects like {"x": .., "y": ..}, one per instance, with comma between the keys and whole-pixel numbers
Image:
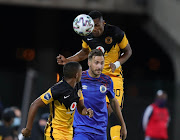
[
  {"x": 89, "y": 62},
  {"x": 77, "y": 74}
]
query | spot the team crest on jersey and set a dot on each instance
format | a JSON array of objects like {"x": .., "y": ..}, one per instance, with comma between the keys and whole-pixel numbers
[
  {"x": 79, "y": 92},
  {"x": 108, "y": 40},
  {"x": 103, "y": 89},
  {"x": 47, "y": 96}
]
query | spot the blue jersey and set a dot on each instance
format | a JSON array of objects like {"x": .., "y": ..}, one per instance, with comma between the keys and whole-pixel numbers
[{"x": 94, "y": 92}]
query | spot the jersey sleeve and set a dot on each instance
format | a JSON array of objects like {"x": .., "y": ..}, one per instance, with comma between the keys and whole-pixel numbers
[
  {"x": 85, "y": 45},
  {"x": 124, "y": 42},
  {"x": 81, "y": 95},
  {"x": 47, "y": 97},
  {"x": 120, "y": 37},
  {"x": 110, "y": 93}
]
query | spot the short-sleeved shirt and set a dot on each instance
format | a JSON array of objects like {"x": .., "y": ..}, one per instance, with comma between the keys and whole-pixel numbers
[
  {"x": 94, "y": 93},
  {"x": 62, "y": 99},
  {"x": 112, "y": 40}
]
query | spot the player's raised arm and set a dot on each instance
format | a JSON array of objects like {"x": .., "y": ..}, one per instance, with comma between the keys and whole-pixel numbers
[
  {"x": 31, "y": 115},
  {"x": 79, "y": 56},
  {"x": 115, "y": 106},
  {"x": 83, "y": 110}
]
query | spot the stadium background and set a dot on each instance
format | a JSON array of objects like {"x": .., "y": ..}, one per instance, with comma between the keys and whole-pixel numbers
[{"x": 33, "y": 35}]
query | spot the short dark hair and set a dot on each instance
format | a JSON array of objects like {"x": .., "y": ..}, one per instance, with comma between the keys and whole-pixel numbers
[
  {"x": 70, "y": 69},
  {"x": 95, "y": 52},
  {"x": 95, "y": 14}
]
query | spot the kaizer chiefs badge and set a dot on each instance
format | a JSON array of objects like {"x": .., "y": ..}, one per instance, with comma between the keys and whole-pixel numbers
[
  {"x": 79, "y": 92},
  {"x": 103, "y": 89},
  {"x": 108, "y": 40}
]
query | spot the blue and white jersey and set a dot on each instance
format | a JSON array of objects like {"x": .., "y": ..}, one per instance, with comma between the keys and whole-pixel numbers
[{"x": 94, "y": 92}]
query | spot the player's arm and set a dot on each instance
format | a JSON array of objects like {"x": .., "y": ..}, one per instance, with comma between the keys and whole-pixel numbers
[
  {"x": 146, "y": 116},
  {"x": 31, "y": 115},
  {"x": 83, "y": 110},
  {"x": 79, "y": 56},
  {"x": 126, "y": 52},
  {"x": 115, "y": 106}
]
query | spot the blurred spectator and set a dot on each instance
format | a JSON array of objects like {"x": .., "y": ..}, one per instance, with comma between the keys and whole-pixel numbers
[
  {"x": 17, "y": 120},
  {"x": 6, "y": 131},
  {"x": 156, "y": 118}
]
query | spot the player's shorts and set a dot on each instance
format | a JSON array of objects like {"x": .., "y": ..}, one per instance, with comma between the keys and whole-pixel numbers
[
  {"x": 118, "y": 90},
  {"x": 54, "y": 134},
  {"x": 89, "y": 136},
  {"x": 60, "y": 137}
]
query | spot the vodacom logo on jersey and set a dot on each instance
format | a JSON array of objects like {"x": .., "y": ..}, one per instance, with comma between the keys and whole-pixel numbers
[{"x": 72, "y": 108}]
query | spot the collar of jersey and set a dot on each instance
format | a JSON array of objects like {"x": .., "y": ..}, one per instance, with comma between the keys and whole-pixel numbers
[{"x": 67, "y": 85}]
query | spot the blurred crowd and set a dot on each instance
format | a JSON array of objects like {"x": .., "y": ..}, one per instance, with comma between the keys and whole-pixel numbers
[{"x": 10, "y": 122}]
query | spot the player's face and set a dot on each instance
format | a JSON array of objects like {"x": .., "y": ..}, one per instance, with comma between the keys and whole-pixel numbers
[
  {"x": 98, "y": 27},
  {"x": 96, "y": 65}
]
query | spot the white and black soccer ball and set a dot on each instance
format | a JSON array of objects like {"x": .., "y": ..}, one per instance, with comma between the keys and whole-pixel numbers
[{"x": 83, "y": 25}]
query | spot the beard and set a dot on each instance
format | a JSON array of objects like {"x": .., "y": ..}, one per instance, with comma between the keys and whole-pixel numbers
[{"x": 97, "y": 72}]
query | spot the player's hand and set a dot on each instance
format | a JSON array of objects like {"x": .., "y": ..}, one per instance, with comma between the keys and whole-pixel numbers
[
  {"x": 123, "y": 132},
  {"x": 90, "y": 112},
  {"x": 112, "y": 66},
  {"x": 61, "y": 60},
  {"x": 26, "y": 132}
]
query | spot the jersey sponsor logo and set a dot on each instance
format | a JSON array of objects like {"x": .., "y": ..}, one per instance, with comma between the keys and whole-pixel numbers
[
  {"x": 47, "y": 96},
  {"x": 66, "y": 96},
  {"x": 108, "y": 40},
  {"x": 73, "y": 106},
  {"x": 103, "y": 89},
  {"x": 84, "y": 87},
  {"x": 100, "y": 48}
]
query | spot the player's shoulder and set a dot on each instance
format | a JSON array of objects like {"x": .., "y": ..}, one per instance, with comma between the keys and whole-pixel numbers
[
  {"x": 84, "y": 73},
  {"x": 59, "y": 88},
  {"x": 106, "y": 77},
  {"x": 113, "y": 29}
]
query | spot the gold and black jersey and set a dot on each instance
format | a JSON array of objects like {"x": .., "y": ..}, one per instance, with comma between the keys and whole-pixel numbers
[
  {"x": 62, "y": 100},
  {"x": 112, "y": 40}
]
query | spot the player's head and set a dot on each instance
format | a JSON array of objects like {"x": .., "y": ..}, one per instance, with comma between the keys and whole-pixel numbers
[
  {"x": 161, "y": 98},
  {"x": 98, "y": 23},
  {"x": 8, "y": 116},
  {"x": 96, "y": 62},
  {"x": 72, "y": 70}
]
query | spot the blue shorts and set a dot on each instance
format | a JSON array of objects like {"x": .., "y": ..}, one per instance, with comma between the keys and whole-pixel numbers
[{"x": 89, "y": 136}]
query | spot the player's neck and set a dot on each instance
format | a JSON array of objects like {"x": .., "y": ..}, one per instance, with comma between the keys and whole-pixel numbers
[
  {"x": 72, "y": 82},
  {"x": 91, "y": 74}
]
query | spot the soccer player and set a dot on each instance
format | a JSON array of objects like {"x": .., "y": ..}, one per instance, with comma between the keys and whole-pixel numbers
[
  {"x": 63, "y": 98},
  {"x": 95, "y": 88},
  {"x": 117, "y": 51}
]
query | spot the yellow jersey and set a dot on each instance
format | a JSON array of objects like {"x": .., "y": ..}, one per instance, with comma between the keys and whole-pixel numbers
[
  {"x": 112, "y": 40},
  {"x": 62, "y": 99}
]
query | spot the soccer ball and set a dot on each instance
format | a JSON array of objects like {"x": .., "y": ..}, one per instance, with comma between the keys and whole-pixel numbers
[{"x": 83, "y": 25}]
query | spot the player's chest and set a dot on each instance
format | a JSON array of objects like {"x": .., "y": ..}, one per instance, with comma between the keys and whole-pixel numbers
[
  {"x": 107, "y": 42},
  {"x": 94, "y": 89},
  {"x": 70, "y": 99}
]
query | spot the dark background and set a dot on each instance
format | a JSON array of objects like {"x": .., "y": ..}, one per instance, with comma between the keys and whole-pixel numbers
[{"x": 24, "y": 28}]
